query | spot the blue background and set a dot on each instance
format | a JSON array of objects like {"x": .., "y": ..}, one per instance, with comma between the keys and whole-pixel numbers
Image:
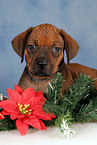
[{"x": 77, "y": 17}]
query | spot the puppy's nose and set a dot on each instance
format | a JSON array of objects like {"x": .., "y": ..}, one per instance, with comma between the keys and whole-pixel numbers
[{"x": 42, "y": 62}]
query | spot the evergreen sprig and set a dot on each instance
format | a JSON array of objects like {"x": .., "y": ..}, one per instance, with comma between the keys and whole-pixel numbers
[
  {"x": 7, "y": 124},
  {"x": 78, "y": 91},
  {"x": 80, "y": 99},
  {"x": 54, "y": 96},
  {"x": 87, "y": 108},
  {"x": 65, "y": 125}
]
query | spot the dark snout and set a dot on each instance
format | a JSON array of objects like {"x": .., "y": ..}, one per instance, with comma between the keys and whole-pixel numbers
[{"x": 42, "y": 62}]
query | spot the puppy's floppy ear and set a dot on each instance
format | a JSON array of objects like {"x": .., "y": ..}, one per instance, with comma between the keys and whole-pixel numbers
[
  {"x": 70, "y": 45},
  {"x": 19, "y": 42}
]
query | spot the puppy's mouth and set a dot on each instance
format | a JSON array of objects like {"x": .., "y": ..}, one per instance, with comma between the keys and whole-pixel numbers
[{"x": 40, "y": 74}]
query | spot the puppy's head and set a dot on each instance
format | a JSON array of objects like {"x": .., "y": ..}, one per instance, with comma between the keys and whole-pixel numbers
[{"x": 43, "y": 47}]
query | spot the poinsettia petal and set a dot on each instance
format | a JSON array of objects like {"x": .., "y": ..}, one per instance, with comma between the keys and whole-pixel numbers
[
  {"x": 52, "y": 115},
  {"x": 38, "y": 101},
  {"x": 15, "y": 96},
  {"x": 14, "y": 115},
  {"x": 21, "y": 116},
  {"x": 4, "y": 112},
  {"x": 34, "y": 122},
  {"x": 40, "y": 114},
  {"x": 30, "y": 101},
  {"x": 8, "y": 105},
  {"x": 38, "y": 94},
  {"x": 18, "y": 89},
  {"x": 22, "y": 126},
  {"x": 36, "y": 107},
  {"x": 28, "y": 94},
  {"x": 43, "y": 127}
]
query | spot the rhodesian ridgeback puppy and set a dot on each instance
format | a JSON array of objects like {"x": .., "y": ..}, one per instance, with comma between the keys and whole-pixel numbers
[{"x": 43, "y": 47}]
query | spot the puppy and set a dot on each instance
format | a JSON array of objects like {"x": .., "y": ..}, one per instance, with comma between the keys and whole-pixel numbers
[{"x": 43, "y": 47}]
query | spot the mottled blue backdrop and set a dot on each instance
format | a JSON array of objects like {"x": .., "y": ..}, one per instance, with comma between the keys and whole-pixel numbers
[{"x": 76, "y": 17}]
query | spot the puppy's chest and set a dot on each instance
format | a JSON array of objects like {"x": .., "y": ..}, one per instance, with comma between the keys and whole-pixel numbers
[
  {"x": 36, "y": 83},
  {"x": 40, "y": 85}
]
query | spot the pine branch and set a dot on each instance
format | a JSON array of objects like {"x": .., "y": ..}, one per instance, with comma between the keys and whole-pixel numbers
[
  {"x": 77, "y": 92},
  {"x": 88, "y": 109},
  {"x": 54, "y": 88},
  {"x": 65, "y": 125},
  {"x": 54, "y": 108},
  {"x": 54, "y": 96},
  {"x": 79, "y": 99},
  {"x": 7, "y": 124}
]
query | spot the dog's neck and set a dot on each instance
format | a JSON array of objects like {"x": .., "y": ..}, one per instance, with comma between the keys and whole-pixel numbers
[{"x": 38, "y": 84}]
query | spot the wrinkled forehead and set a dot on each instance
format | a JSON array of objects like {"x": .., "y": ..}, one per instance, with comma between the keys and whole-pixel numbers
[
  {"x": 46, "y": 34},
  {"x": 45, "y": 29}
]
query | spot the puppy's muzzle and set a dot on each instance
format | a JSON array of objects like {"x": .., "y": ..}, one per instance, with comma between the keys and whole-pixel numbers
[{"x": 41, "y": 62}]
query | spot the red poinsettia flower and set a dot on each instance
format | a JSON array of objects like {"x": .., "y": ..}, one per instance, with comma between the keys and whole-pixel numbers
[{"x": 26, "y": 107}]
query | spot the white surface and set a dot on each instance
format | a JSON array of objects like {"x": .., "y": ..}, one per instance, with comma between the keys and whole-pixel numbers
[{"x": 86, "y": 134}]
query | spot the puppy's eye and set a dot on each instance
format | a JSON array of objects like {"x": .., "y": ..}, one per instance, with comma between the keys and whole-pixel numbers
[
  {"x": 56, "y": 50},
  {"x": 31, "y": 47}
]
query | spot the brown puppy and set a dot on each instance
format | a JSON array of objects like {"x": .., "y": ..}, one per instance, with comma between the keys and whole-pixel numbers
[{"x": 44, "y": 47}]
